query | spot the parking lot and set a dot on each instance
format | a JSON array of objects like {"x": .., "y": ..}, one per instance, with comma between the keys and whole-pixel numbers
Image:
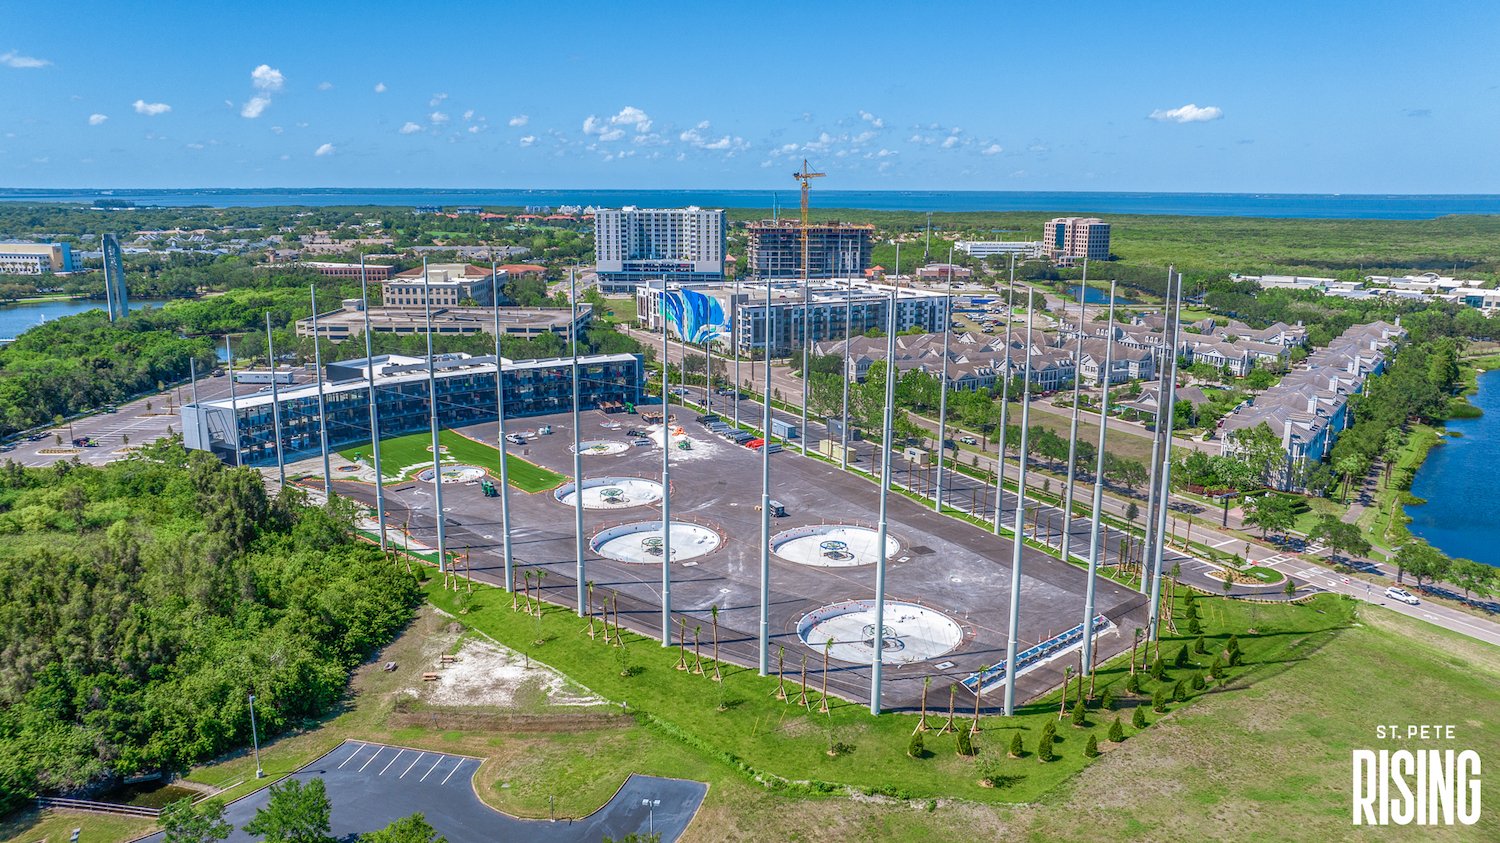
[{"x": 370, "y": 785}]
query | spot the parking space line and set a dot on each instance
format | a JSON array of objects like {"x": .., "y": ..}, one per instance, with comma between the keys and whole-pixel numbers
[
  {"x": 372, "y": 758},
  {"x": 411, "y": 765},
  {"x": 389, "y": 763},
  {"x": 430, "y": 769},
  {"x": 451, "y": 772},
  {"x": 357, "y": 749}
]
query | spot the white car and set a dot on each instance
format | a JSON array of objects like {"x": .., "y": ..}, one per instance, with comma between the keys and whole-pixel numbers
[{"x": 1403, "y": 595}]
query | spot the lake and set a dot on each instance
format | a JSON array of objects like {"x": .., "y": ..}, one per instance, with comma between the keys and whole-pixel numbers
[
  {"x": 19, "y": 317},
  {"x": 1286, "y": 205},
  {"x": 1095, "y": 295},
  {"x": 1459, "y": 483}
]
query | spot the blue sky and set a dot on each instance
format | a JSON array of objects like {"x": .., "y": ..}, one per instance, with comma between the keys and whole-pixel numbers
[{"x": 1271, "y": 96}]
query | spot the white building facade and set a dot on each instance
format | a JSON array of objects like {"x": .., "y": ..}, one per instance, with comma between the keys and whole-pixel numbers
[{"x": 633, "y": 245}]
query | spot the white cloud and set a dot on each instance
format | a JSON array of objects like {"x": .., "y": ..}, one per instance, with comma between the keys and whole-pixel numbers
[
  {"x": 612, "y": 135},
  {"x": 97, "y": 119},
  {"x": 438, "y": 118},
  {"x": 632, "y": 116},
  {"x": 518, "y": 121},
  {"x": 476, "y": 129},
  {"x": 11, "y": 58},
  {"x": 151, "y": 109},
  {"x": 695, "y": 137},
  {"x": 528, "y": 140},
  {"x": 380, "y": 87},
  {"x": 468, "y": 115},
  {"x": 277, "y": 129},
  {"x": 195, "y": 146},
  {"x": 992, "y": 149},
  {"x": 255, "y": 106},
  {"x": 950, "y": 142},
  {"x": 267, "y": 78},
  {"x": 410, "y": 128},
  {"x": 325, "y": 86},
  {"x": 436, "y": 98},
  {"x": 325, "y": 149},
  {"x": 872, "y": 119},
  {"x": 1189, "y": 113},
  {"x": 614, "y": 128}
]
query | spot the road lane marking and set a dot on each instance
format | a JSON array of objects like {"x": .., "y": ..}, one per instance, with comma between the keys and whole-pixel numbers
[
  {"x": 389, "y": 763},
  {"x": 430, "y": 769},
  {"x": 451, "y": 772},
  {"x": 1222, "y": 543},
  {"x": 372, "y": 758},
  {"x": 356, "y": 751},
  {"x": 411, "y": 765}
]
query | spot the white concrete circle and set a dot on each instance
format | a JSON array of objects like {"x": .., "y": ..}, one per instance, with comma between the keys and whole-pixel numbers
[
  {"x": 612, "y": 492},
  {"x": 641, "y": 542},
  {"x": 912, "y": 633},
  {"x": 831, "y": 545},
  {"x": 601, "y": 447},
  {"x": 454, "y": 474}
]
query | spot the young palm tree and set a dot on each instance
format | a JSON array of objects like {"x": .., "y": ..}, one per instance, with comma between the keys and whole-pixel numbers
[
  {"x": 823, "y": 706},
  {"x": 529, "y": 575},
  {"x": 978, "y": 694},
  {"x": 590, "y": 587},
  {"x": 1062, "y": 711},
  {"x": 1134, "y": 642},
  {"x": 948, "y": 726},
  {"x": 802, "y": 699},
  {"x": 922, "y": 720},
  {"x": 714, "y": 611},
  {"x": 515, "y": 591},
  {"x": 682, "y": 643},
  {"x": 781, "y": 673},
  {"x": 619, "y": 638},
  {"x": 540, "y": 575},
  {"x": 697, "y": 657}
]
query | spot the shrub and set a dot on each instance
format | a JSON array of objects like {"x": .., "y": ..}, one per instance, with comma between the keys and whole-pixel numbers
[
  {"x": 1049, "y": 729},
  {"x": 1216, "y": 670},
  {"x": 1016, "y": 750},
  {"x": 1080, "y": 717},
  {"x": 1159, "y": 700},
  {"x": 965, "y": 743},
  {"x": 1198, "y": 683},
  {"x": 1116, "y": 732},
  {"x": 1291, "y": 587},
  {"x": 1199, "y": 646},
  {"x": 1233, "y": 645},
  {"x": 916, "y": 749},
  {"x": 1133, "y": 684},
  {"x": 1179, "y": 691},
  {"x": 1181, "y": 659},
  {"x": 1107, "y": 699},
  {"x": 1091, "y": 749},
  {"x": 1138, "y": 719},
  {"x": 1044, "y": 747},
  {"x": 1234, "y": 658},
  {"x": 1195, "y": 627},
  {"x": 1158, "y": 670}
]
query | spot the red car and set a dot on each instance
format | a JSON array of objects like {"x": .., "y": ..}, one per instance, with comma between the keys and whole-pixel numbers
[{"x": 754, "y": 444}]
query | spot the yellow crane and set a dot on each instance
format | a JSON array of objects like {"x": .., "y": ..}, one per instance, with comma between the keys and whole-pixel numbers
[{"x": 805, "y": 176}]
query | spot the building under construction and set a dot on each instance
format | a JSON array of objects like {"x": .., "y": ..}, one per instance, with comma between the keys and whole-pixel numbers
[{"x": 834, "y": 250}]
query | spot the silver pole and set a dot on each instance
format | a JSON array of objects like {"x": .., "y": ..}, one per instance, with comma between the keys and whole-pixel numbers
[
  {"x": 506, "y": 552},
  {"x": 666, "y": 488},
  {"x": 234, "y": 404},
  {"x": 844, "y": 372},
  {"x": 937, "y": 496},
  {"x": 765, "y": 500},
  {"x": 364, "y": 298},
  {"x": 581, "y": 574},
  {"x": 109, "y": 293},
  {"x": 1166, "y": 483},
  {"x": 1010, "y": 312},
  {"x": 312, "y": 291},
  {"x": 1094, "y": 531},
  {"x": 734, "y": 337},
  {"x": 437, "y": 450},
  {"x": 1018, "y": 536},
  {"x": 886, "y": 434},
  {"x": 275, "y": 404},
  {"x": 1148, "y": 545},
  {"x": 1065, "y": 542},
  {"x": 255, "y": 740},
  {"x": 806, "y": 343},
  {"x": 193, "y": 379}
]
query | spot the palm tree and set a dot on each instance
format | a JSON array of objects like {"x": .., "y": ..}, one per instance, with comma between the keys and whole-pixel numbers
[
  {"x": 540, "y": 575},
  {"x": 922, "y": 721},
  {"x": 682, "y": 643},
  {"x": 823, "y": 706},
  {"x": 781, "y": 673},
  {"x": 697, "y": 658},
  {"x": 529, "y": 575},
  {"x": 978, "y": 694},
  {"x": 802, "y": 699},
  {"x": 1067, "y": 679},
  {"x": 590, "y": 586},
  {"x": 714, "y": 611},
  {"x": 619, "y": 639},
  {"x": 1134, "y": 641},
  {"x": 948, "y": 726}
]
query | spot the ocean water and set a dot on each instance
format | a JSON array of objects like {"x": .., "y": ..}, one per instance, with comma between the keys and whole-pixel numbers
[
  {"x": 1287, "y": 205},
  {"x": 1459, "y": 482}
]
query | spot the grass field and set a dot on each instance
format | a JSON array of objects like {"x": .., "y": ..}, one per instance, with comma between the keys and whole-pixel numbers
[
  {"x": 412, "y": 453},
  {"x": 1264, "y": 757}
]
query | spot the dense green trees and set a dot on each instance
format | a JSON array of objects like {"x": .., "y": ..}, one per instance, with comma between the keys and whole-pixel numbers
[
  {"x": 141, "y": 602},
  {"x": 298, "y": 812}
]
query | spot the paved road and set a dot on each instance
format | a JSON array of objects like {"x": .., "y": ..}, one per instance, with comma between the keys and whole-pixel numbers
[{"x": 370, "y": 785}]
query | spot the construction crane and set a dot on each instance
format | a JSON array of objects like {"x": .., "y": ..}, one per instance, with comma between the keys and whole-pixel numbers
[{"x": 803, "y": 176}]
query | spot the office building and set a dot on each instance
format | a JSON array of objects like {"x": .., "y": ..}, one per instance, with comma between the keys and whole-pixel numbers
[
  {"x": 833, "y": 249},
  {"x": 982, "y": 249},
  {"x": 632, "y": 245},
  {"x": 1070, "y": 240},
  {"x": 829, "y": 303},
  {"x": 35, "y": 258},
  {"x": 116, "y": 300},
  {"x": 448, "y": 284},
  {"x": 349, "y": 321},
  {"x": 377, "y": 272},
  {"x": 466, "y": 390}
]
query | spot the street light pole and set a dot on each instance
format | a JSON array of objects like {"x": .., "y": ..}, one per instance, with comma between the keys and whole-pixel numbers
[
  {"x": 1088, "y": 599},
  {"x": 1018, "y": 536},
  {"x": 508, "y": 557},
  {"x": 937, "y": 495},
  {"x": 275, "y": 405},
  {"x": 364, "y": 300},
  {"x": 765, "y": 497},
  {"x": 1065, "y": 541},
  {"x": 312, "y": 292},
  {"x": 1010, "y": 312},
  {"x": 581, "y": 574},
  {"x": 666, "y": 484},
  {"x": 886, "y": 435},
  {"x": 255, "y": 740}
]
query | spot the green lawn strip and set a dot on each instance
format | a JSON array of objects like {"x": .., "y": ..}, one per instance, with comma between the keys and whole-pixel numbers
[
  {"x": 787, "y": 747},
  {"x": 413, "y": 452},
  {"x": 31, "y": 825}
]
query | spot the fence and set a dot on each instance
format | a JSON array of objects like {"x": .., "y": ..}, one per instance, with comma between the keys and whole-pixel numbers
[{"x": 1052, "y": 646}]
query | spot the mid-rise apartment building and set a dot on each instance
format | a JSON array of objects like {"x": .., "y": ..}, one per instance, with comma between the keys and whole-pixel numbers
[
  {"x": 834, "y": 250},
  {"x": 633, "y": 245}
]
